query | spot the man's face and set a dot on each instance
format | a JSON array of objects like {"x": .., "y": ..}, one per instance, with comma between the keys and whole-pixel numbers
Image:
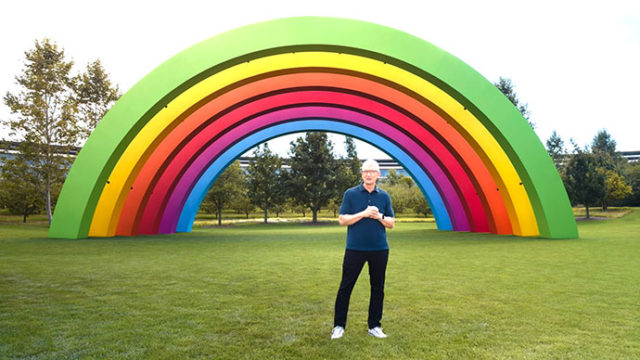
[{"x": 369, "y": 176}]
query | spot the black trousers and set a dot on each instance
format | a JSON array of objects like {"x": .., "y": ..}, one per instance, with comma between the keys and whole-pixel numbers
[{"x": 351, "y": 268}]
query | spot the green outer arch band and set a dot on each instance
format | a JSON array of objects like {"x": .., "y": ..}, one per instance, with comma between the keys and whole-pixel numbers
[{"x": 95, "y": 162}]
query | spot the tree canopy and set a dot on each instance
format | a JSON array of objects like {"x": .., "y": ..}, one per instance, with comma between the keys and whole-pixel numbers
[
  {"x": 312, "y": 181},
  {"x": 228, "y": 186},
  {"x": 505, "y": 85},
  {"x": 45, "y": 107},
  {"x": 556, "y": 149},
  {"x": 584, "y": 184},
  {"x": 615, "y": 188},
  {"x": 265, "y": 181},
  {"x": 50, "y": 107},
  {"x": 603, "y": 143},
  {"x": 95, "y": 95}
]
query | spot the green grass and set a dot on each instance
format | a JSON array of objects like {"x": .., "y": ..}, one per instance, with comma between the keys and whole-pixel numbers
[{"x": 267, "y": 291}]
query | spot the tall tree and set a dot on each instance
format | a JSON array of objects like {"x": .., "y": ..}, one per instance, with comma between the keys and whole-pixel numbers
[
  {"x": 229, "y": 185},
  {"x": 603, "y": 143},
  {"x": 353, "y": 162},
  {"x": 45, "y": 107},
  {"x": 347, "y": 172},
  {"x": 313, "y": 169},
  {"x": 265, "y": 181},
  {"x": 508, "y": 89},
  {"x": 583, "y": 181},
  {"x": 556, "y": 149},
  {"x": 604, "y": 147},
  {"x": 95, "y": 95},
  {"x": 344, "y": 177}
]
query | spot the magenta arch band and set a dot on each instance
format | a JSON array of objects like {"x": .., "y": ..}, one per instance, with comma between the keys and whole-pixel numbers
[
  {"x": 173, "y": 173},
  {"x": 177, "y": 198},
  {"x": 199, "y": 189},
  {"x": 421, "y": 134}
]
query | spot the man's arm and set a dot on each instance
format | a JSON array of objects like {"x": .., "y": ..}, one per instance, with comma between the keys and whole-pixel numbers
[
  {"x": 387, "y": 221},
  {"x": 350, "y": 219}
]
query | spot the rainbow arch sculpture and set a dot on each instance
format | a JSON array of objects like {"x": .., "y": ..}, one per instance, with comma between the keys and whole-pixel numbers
[{"x": 147, "y": 166}]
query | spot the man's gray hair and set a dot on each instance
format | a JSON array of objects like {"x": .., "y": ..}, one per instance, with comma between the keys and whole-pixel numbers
[{"x": 370, "y": 165}]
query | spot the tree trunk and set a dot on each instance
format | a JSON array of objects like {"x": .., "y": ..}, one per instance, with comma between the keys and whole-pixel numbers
[
  {"x": 24, "y": 218},
  {"x": 219, "y": 215},
  {"x": 315, "y": 215},
  {"x": 266, "y": 212},
  {"x": 586, "y": 206},
  {"x": 48, "y": 199},
  {"x": 604, "y": 205}
]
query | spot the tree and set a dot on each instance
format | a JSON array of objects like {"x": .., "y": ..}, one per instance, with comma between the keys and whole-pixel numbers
[
  {"x": 229, "y": 185},
  {"x": 404, "y": 194},
  {"x": 243, "y": 204},
  {"x": 603, "y": 144},
  {"x": 632, "y": 176},
  {"x": 508, "y": 89},
  {"x": 401, "y": 196},
  {"x": 295, "y": 207},
  {"x": 20, "y": 188},
  {"x": 421, "y": 206},
  {"x": 406, "y": 181},
  {"x": 279, "y": 208},
  {"x": 95, "y": 95},
  {"x": 611, "y": 165},
  {"x": 352, "y": 161},
  {"x": 334, "y": 206},
  {"x": 615, "y": 188},
  {"x": 347, "y": 173},
  {"x": 46, "y": 109},
  {"x": 583, "y": 182},
  {"x": 555, "y": 148},
  {"x": 392, "y": 178},
  {"x": 265, "y": 182},
  {"x": 313, "y": 169}
]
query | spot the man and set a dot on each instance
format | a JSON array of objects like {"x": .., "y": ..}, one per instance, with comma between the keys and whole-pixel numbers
[{"x": 367, "y": 212}]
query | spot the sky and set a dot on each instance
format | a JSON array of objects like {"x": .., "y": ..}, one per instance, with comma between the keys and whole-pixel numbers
[{"x": 575, "y": 63}]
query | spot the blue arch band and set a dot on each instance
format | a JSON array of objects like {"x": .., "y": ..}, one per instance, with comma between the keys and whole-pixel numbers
[{"x": 197, "y": 194}]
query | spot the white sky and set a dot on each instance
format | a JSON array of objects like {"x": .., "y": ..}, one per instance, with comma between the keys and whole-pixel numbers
[{"x": 576, "y": 63}]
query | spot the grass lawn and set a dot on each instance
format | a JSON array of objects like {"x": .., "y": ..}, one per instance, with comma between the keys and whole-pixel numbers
[{"x": 266, "y": 292}]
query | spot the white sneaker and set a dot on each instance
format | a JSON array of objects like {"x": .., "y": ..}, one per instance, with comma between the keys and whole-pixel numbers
[
  {"x": 337, "y": 332},
  {"x": 377, "y": 332}
]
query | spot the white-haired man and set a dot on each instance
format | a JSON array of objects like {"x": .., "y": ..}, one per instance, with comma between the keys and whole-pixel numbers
[{"x": 367, "y": 212}]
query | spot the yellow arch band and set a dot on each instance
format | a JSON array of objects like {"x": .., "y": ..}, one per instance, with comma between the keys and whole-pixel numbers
[{"x": 113, "y": 196}]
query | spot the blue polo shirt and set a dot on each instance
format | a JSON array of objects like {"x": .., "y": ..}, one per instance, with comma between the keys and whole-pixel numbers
[{"x": 367, "y": 234}]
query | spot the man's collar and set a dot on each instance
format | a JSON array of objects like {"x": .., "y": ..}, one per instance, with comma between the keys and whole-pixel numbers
[{"x": 362, "y": 188}]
